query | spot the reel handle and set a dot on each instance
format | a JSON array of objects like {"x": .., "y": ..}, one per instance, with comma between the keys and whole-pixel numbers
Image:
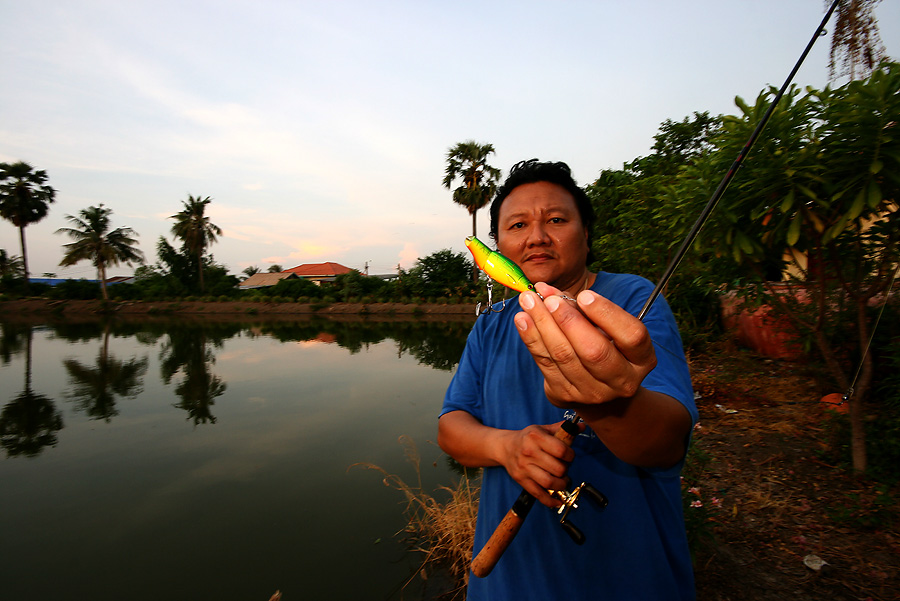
[{"x": 509, "y": 526}]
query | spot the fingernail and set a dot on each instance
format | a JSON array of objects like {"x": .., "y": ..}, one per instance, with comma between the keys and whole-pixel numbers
[
  {"x": 585, "y": 298},
  {"x": 520, "y": 322},
  {"x": 526, "y": 300},
  {"x": 552, "y": 303}
]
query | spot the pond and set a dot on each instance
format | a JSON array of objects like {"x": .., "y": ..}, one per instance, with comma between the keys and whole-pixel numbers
[{"x": 166, "y": 459}]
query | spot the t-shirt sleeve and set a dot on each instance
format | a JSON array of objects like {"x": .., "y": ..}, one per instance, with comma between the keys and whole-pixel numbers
[{"x": 465, "y": 390}]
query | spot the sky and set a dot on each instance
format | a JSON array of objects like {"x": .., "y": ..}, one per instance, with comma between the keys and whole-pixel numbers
[{"x": 320, "y": 130}]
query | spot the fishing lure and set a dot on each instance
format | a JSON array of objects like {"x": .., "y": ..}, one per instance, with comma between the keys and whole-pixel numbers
[{"x": 500, "y": 269}]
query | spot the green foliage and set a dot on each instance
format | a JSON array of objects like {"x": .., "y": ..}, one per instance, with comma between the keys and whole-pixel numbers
[
  {"x": 468, "y": 161},
  {"x": 869, "y": 509},
  {"x": 25, "y": 198},
  {"x": 197, "y": 233},
  {"x": 95, "y": 242},
  {"x": 354, "y": 285},
  {"x": 698, "y": 505},
  {"x": 440, "y": 274},
  {"x": 293, "y": 289},
  {"x": 640, "y": 223},
  {"x": 11, "y": 265},
  {"x": 75, "y": 290}
]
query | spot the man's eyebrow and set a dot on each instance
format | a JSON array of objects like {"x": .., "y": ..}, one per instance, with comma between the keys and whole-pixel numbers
[{"x": 554, "y": 208}]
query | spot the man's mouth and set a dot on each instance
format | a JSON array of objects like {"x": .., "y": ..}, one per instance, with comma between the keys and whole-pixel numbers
[{"x": 537, "y": 258}]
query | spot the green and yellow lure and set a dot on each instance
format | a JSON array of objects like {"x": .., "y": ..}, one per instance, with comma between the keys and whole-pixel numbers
[{"x": 498, "y": 267}]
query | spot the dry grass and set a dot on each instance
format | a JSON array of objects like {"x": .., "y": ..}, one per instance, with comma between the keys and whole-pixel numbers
[{"x": 442, "y": 531}]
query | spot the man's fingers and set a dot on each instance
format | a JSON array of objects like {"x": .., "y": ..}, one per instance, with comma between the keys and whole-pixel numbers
[{"x": 627, "y": 332}]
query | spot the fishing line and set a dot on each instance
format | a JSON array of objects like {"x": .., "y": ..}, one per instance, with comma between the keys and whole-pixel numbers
[
  {"x": 714, "y": 199},
  {"x": 862, "y": 359}
]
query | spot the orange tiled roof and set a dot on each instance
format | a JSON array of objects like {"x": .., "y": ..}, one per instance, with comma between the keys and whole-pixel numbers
[{"x": 311, "y": 270}]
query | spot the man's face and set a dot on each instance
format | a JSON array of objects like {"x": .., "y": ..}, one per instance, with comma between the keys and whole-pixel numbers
[{"x": 539, "y": 228}]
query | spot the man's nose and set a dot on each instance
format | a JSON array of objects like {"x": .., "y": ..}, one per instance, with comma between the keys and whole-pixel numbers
[{"x": 537, "y": 235}]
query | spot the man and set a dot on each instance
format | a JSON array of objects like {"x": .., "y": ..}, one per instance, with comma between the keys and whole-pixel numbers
[{"x": 526, "y": 367}]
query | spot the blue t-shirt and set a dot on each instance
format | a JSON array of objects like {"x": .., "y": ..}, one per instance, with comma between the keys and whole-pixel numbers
[{"x": 636, "y": 548}]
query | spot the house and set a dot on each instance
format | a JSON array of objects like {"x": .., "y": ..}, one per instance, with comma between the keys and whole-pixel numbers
[
  {"x": 319, "y": 272},
  {"x": 263, "y": 280}
]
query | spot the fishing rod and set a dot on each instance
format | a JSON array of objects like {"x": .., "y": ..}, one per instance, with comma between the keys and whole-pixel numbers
[{"x": 493, "y": 262}]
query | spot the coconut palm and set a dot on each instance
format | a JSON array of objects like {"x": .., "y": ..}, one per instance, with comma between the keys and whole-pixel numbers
[
  {"x": 195, "y": 229},
  {"x": 94, "y": 242},
  {"x": 24, "y": 199},
  {"x": 468, "y": 161},
  {"x": 10, "y": 265},
  {"x": 251, "y": 271}
]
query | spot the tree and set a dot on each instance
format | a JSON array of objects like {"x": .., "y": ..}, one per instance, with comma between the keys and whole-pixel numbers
[
  {"x": 251, "y": 271},
  {"x": 442, "y": 273},
  {"x": 10, "y": 266},
  {"x": 24, "y": 199},
  {"x": 468, "y": 161},
  {"x": 195, "y": 230},
  {"x": 95, "y": 242},
  {"x": 639, "y": 226},
  {"x": 818, "y": 197},
  {"x": 855, "y": 41}
]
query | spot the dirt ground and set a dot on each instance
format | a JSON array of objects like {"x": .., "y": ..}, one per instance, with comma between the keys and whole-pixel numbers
[{"x": 772, "y": 502}]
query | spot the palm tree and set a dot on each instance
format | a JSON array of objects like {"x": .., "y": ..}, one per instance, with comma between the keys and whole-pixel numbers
[
  {"x": 95, "y": 243},
  {"x": 468, "y": 160},
  {"x": 24, "y": 199},
  {"x": 10, "y": 265},
  {"x": 251, "y": 271},
  {"x": 195, "y": 229}
]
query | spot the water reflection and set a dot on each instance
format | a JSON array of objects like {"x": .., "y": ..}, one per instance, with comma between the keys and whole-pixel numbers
[
  {"x": 30, "y": 421},
  {"x": 187, "y": 351},
  {"x": 95, "y": 387},
  {"x": 220, "y": 445},
  {"x": 190, "y": 352}
]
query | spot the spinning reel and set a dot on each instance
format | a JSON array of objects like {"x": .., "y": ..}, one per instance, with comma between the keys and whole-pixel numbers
[{"x": 570, "y": 502}]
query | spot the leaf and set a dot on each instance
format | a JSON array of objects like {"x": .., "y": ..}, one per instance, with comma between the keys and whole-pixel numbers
[
  {"x": 837, "y": 229},
  {"x": 876, "y": 166},
  {"x": 874, "y": 195},
  {"x": 788, "y": 202},
  {"x": 793, "y": 234},
  {"x": 745, "y": 243},
  {"x": 857, "y": 206},
  {"x": 807, "y": 192}
]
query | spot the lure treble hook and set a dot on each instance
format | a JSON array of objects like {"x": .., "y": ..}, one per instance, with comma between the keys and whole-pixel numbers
[{"x": 490, "y": 303}]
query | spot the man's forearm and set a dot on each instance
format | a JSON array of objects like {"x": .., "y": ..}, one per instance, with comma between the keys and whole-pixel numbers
[{"x": 649, "y": 429}]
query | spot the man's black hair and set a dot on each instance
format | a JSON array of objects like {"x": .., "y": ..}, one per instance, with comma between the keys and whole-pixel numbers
[{"x": 533, "y": 171}]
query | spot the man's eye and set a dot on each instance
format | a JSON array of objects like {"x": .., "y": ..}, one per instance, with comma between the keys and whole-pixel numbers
[
  {"x": 557, "y": 220},
  {"x": 517, "y": 226}
]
